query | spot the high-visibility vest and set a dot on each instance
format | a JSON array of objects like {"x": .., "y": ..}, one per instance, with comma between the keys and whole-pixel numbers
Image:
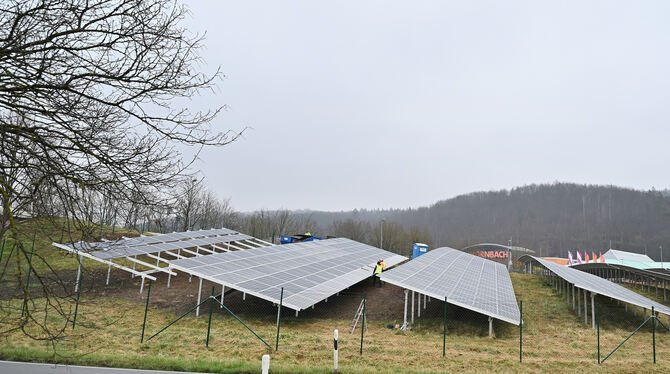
[{"x": 378, "y": 269}]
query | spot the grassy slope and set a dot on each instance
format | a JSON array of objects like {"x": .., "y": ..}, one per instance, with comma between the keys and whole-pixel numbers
[
  {"x": 46, "y": 232},
  {"x": 555, "y": 339}
]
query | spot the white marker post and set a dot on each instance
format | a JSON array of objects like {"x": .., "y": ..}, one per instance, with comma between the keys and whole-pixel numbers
[
  {"x": 265, "y": 364},
  {"x": 335, "y": 351}
]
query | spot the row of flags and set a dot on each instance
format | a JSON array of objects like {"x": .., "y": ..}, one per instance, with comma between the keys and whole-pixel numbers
[{"x": 584, "y": 260}]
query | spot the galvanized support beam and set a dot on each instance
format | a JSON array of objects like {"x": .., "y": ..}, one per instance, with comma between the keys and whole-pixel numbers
[
  {"x": 412, "y": 307},
  {"x": 197, "y": 310},
  {"x": 593, "y": 310},
  {"x": 76, "y": 282},
  {"x": 586, "y": 309},
  {"x": 207, "y": 250},
  {"x": 579, "y": 304},
  {"x": 404, "y": 318},
  {"x": 490, "y": 327},
  {"x": 106, "y": 262}
]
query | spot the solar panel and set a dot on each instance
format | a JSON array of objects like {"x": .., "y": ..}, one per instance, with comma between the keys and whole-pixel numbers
[
  {"x": 162, "y": 238},
  {"x": 160, "y": 247},
  {"x": 600, "y": 286},
  {"x": 465, "y": 280},
  {"x": 309, "y": 272}
]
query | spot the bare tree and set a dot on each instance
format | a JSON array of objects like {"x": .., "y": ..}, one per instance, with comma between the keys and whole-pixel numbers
[
  {"x": 190, "y": 203},
  {"x": 352, "y": 229},
  {"x": 88, "y": 110},
  {"x": 217, "y": 213}
]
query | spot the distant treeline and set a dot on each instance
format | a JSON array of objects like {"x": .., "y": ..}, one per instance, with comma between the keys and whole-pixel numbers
[{"x": 550, "y": 219}]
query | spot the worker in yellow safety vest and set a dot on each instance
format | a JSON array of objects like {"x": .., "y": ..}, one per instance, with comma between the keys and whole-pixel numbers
[
  {"x": 376, "y": 273},
  {"x": 381, "y": 261}
]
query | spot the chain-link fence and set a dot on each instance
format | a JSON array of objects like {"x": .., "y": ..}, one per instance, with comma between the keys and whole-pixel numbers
[{"x": 560, "y": 323}]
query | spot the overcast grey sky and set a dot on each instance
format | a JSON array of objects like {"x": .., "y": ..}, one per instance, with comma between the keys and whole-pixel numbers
[{"x": 379, "y": 104}]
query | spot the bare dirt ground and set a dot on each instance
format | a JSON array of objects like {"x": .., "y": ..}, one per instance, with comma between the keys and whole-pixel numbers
[{"x": 382, "y": 303}]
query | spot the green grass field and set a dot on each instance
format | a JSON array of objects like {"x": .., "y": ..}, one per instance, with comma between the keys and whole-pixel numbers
[{"x": 555, "y": 338}]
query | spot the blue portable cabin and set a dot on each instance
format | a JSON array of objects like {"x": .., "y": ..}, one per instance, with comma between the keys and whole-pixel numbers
[
  {"x": 419, "y": 249},
  {"x": 287, "y": 239}
]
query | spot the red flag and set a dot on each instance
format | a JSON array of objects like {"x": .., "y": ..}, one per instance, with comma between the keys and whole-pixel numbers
[
  {"x": 602, "y": 259},
  {"x": 586, "y": 257},
  {"x": 595, "y": 259}
]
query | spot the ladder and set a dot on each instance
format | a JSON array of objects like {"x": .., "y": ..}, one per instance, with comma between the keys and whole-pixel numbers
[{"x": 357, "y": 317}]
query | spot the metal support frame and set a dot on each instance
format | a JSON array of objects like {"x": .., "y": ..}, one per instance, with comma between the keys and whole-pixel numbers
[
  {"x": 264, "y": 242},
  {"x": 593, "y": 310},
  {"x": 156, "y": 268},
  {"x": 196, "y": 254},
  {"x": 418, "y": 306},
  {"x": 490, "y": 327},
  {"x": 223, "y": 293},
  {"x": 89, "y": 256},
  {"x": 178, "y": 255},
  {"x": 219, "y": 248},
  {"x": 404, "y": 318},
  {"x": 207, "y": 250},
  {"x": 76, "y": 283},
  {"x": 109, "y": 272},
  {"x": 586, "y": 309},
  {"x": 412, "y": 307},
  {"x": 197, "y": 310},
  {"x": 244, "y": 244},
  {"x": 229, "y": 245}
]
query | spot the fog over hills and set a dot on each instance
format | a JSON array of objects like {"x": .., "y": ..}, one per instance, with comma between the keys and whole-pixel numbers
[{"x": 549, "y": 218}]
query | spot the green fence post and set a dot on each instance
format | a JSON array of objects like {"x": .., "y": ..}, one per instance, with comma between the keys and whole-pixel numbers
[
  {"x": 76, "y": 305},
  {"x": 30, "y": 270},
  {"x": 598, "y": 329},
  {"x": 363, "y": 324},
  {"x": 146, "y": 309},
  {"x": 209, "y": 323},
  {"x": 444, "y": 328},
  {"x": 653, "y": 332},
  {"x": 281, "y": 301},
  {"x": 521, "y": 331}
]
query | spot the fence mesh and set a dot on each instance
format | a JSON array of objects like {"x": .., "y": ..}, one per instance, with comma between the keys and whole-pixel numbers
[{"x": 554, "y": 329}]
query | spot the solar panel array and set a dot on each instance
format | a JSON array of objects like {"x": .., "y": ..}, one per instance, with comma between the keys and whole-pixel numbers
[
  {"x": 309, "y": 272},
  {"x": 159, "y": 243},
  {"x": 465, "y": 280},
  {"x": 161, "y": 238},
  {"x": 601, "y": 286}
]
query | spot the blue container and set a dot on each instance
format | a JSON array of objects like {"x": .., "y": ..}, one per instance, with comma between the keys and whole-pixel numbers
[
  {"x": 419, "y": 249},
  {"x": 285, "y": 239}
]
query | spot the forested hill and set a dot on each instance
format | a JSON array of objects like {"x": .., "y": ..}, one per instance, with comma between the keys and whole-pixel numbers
[{"x": 549, "y": 218}]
